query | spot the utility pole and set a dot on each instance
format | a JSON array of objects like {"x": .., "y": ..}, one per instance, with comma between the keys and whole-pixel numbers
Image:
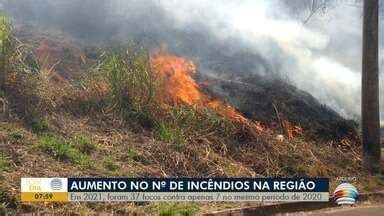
[{"x": 370, "y": 88}]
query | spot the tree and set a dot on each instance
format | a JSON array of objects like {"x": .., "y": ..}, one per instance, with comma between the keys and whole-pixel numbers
[
  {"x": 370, "y": 110},
  {"x": 370, "y": 87},
  {"x": 316, "y": 6}
]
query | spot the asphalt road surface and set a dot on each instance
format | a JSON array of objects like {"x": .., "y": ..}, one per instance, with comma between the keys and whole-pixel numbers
[{"x": 377, "y": 210}]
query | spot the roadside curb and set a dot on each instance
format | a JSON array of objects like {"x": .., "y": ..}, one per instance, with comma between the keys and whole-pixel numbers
[{"x": 290, "y": 207}]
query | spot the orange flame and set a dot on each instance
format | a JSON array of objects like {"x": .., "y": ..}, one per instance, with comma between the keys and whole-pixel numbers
[
  {"x": 292, "y": 130},
  {"x": 179, "y": 87}
]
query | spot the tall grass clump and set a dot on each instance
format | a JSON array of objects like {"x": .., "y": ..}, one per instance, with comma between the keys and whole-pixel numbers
[
  {"x": 5, "y": 47},
  {"x": 131, "y": 85},
  {"x": 21, "y": 83}
]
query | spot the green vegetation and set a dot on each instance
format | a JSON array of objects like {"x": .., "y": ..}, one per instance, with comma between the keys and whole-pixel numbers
[
  {"x": 7, "y": 200},
  {"x": 181, "y": 124},
  {"x": 21, "y": 82},
  {"x": 131, "y": 86},
  {"x": 12, "y": 53},
  {"x": 5, "y": 47},
  {"x": 110, "y": 164},
  {"x": 122, "y": 84},
  {"x": 135, "y": 156},
  {"x": 5, "y": 52},
  {"x": 85, "y": 145},
  {"x": 170, "y": 134},
  {"x": 3, "y": 208},
  {"x": 132, "y": 90},
  {"x": 178, "y": 209},
  {"x": 4, "y": 163},
  {"x": 62, "y": 149},
  {"x": 39, "y": 125}
]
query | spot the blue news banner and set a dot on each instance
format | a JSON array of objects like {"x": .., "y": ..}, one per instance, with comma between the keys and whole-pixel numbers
[
  {"x": 199, "y": 189},
  {"x": 176, "y": 189}
]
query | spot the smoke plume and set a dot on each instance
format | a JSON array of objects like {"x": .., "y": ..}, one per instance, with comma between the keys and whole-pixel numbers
[{"x": 228, "y": 38}]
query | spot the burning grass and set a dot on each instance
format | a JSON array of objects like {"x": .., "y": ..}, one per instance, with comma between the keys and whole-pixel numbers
[
  {"x": 179, "y": 87},
  {"x": 195, "y": 134},
  {"x": 160, "y": 94}
]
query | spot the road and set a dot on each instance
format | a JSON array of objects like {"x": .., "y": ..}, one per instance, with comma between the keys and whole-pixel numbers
[{"x": 346, "y": 211}]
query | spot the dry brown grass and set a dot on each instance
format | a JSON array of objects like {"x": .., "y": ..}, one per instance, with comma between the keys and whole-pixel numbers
[
  {"x": 137, "y": 154},
  {"x": 209, "y": 145}
]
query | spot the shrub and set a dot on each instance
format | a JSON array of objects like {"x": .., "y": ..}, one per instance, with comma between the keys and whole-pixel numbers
[{"x": 62, "y": 149}]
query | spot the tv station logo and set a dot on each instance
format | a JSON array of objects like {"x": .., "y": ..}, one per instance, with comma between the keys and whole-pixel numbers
[{"x": 345, "y": 194}]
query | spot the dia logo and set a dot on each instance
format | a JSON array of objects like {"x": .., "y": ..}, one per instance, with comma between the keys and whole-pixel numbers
[{"x": 34, "y": 185}]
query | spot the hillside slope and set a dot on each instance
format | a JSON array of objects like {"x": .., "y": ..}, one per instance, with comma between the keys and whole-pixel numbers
[{"x": 55, "y": 122}]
